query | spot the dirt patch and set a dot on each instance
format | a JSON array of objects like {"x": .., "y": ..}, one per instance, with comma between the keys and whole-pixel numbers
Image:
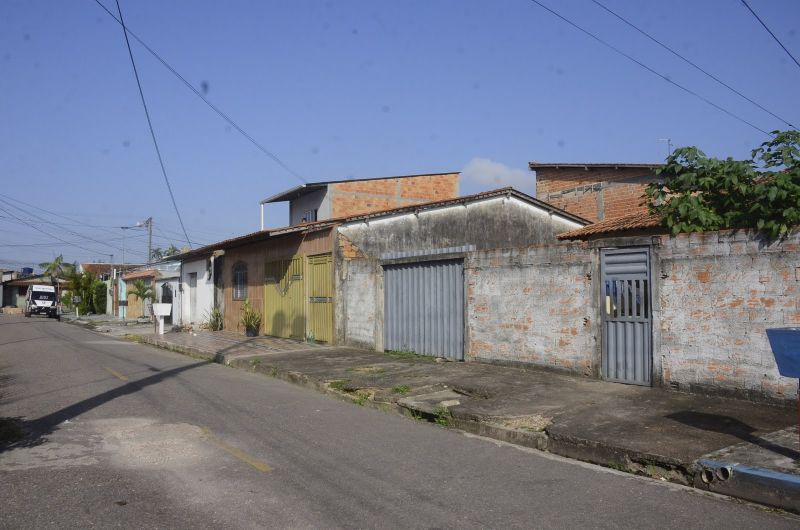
[{"x": 532, "y": 422}]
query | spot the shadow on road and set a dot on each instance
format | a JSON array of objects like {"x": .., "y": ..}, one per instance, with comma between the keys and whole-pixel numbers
[
  {"x": 731, "y": 426},
  {"x": 39, "y": 428}
]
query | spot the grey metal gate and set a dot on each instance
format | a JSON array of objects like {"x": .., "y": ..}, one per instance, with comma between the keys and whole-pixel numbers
[
  {"x": 625, "y": 300},
  {"x": 424, "y": 308}
]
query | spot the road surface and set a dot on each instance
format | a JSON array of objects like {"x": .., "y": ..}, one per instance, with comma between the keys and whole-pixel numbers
[{"x": 132, "y": 436}]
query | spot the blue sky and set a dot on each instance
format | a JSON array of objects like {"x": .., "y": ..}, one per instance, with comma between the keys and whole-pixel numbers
[{"x": 349, "y": 89}]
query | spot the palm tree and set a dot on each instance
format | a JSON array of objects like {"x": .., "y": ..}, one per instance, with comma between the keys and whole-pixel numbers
[
  {"x": 141, "y": 291},
  {"x": 57, "y": 268}
]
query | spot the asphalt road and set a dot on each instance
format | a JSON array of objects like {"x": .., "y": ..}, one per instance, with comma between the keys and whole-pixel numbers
[{"x": 133, "y": 436}]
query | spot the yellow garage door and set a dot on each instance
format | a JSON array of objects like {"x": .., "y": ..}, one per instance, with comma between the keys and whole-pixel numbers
[
  {"x": 321, "y": 298},
  {"x": 284, "y": 299}
]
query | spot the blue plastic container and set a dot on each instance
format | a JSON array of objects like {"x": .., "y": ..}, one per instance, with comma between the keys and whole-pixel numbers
[{"x": 785, "y": 343}]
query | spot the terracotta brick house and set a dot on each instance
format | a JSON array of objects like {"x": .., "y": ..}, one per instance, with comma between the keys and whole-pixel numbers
[
  {"x": 320, "y": 201},
  {"x": 597, "y": 192}
]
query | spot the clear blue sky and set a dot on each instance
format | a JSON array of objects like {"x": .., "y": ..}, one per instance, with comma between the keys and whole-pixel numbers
[{"x": 350, "y": 89}]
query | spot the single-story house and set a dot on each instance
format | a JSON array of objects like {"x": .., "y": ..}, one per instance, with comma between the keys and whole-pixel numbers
[{"x": 403, "y": 275}]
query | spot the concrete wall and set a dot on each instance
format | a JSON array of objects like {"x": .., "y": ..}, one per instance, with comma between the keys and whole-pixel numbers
[
  {"x": 596, "y": 194},
  {"x": 533, "y": 306},
  {"x": 485, "y": 224},
  {"x": 205, "y": 291},
  {"x": 316, "y": 200},
  {"x": 719, "y": 292}
]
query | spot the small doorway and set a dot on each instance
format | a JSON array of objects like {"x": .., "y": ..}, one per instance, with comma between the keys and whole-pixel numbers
[
  {"x": 193, "y": 297},
  {"x": 625, "y": 299}
]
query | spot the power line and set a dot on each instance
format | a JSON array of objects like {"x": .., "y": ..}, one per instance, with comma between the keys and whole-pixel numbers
[
  {"x": 150, "y": 124},
  {"x": 94, "y": 251},
  {"x": 690, "y": 63},
  {"x": 199, "y": 94},
  {"x": 652, "y": 71},
  {"x": 770, "y": 32}
]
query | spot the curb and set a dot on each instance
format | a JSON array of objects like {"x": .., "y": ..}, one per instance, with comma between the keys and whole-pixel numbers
[{"x": 762, "y": 486}]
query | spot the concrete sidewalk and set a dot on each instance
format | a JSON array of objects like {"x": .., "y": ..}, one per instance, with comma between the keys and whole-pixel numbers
[{"x": 708, "y": 442}]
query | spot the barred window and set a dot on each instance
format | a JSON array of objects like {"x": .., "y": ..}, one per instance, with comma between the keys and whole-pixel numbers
[{"x": 240, "y": 281}]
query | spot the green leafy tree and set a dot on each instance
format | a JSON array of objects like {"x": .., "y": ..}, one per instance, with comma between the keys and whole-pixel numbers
[
  {"x": 157, "y": 254},
  {"x": 172, "y": 250},
  {"x": 700, "y": 193},
  {"x": 100, "y": 297},
  {"x": 142, "y": 291}
]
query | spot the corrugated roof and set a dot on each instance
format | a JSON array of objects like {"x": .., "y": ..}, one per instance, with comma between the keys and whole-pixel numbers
[
  {"x": 311, "y": 186},
  {"x": 588, "y": 165},
  {"x": 635, "y": 221},
  {"x": 321, "y": 225}
]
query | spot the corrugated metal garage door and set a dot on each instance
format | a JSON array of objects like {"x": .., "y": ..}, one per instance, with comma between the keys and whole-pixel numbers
[
  {"x": 424, "y": 308},
  {"x": 284, "y": 299}
]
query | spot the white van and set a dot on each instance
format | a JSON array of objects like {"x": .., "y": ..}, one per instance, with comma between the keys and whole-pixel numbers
[{"x": 42, "y": 300}]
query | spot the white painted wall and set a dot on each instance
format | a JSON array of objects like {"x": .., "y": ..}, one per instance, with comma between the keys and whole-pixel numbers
[
  {"x": 315, "y": 200},
  {"x": 205, "y": 291}
]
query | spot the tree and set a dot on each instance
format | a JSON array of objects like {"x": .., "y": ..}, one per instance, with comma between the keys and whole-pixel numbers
[
  {"x": 141, "y": 291},
  {"x": 58, "y": 268},
  {"x": 86, "y": 285},
  {"x": 158, "y": 253},
  {"x": 700, "y": 193},
  {"x": 100, "y": 297}
]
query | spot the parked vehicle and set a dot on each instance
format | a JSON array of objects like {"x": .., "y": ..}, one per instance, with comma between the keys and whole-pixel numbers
[{"x": 42, "y": 300}]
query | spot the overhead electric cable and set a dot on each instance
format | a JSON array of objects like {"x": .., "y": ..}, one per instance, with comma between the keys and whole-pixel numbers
[
  {"x": 199, "y": 94},
  {"x": 27, "y": 222},
  {"x": 770, "y": 32},
  {"x": 692, "y": 64},
  {"x": 94, "y": 251},
  {"x": 150, "y": 124},
  {"x": 651, "y": 70}
]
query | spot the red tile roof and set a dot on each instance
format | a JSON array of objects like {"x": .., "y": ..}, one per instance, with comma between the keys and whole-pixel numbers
[
  {"x": 149, "y": 273},
  {"x": 635, "y": 221}
]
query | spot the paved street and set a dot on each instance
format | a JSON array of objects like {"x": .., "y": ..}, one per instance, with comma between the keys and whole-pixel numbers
[{"x": 133, "y": 436}]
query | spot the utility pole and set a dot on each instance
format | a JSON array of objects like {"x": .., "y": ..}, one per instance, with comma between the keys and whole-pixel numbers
[
  {"x": 669, "y": 145},
  {"x": 149, "y": 223}
]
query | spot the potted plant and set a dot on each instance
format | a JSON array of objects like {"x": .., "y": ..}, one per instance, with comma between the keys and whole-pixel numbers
[{"x": 250, "y": 319}]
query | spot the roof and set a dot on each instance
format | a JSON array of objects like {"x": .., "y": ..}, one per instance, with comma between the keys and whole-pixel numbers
[
  {"x": 591, "y": 165},
  {"x": 136, "y": 275},
  {"x": 635, "y": 221},
  {"x": 328, "y": 223},
  {"x": 37, "y": 279},
  {"x": 97, "y": 268},
  {"x": 302, "y": 189}
]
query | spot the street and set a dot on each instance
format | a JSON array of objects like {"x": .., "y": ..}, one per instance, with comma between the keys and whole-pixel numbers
[{"x": 127, "y": 435}]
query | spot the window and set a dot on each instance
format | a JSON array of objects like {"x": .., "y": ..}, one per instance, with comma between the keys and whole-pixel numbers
[
  {"x": 309, "y": 216},
  {"x": 240, "y": 281}
]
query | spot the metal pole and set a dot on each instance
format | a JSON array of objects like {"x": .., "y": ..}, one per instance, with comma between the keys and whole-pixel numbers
[{"x": 149, "y": 239}]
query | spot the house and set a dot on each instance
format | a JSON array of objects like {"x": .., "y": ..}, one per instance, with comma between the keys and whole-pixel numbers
[
  {"x": 6, "y": 275},
  {"x": 287, "y": 273},
  {"x": 594, "y": 191},
  {"x": 689, "y": 312},
  {"x": 196, "y": 289},
  {"x": 106, "y": 272},
  {"x": 404, "y": 277},
  {"x": 135, "y": 307},
  {"x": 320, "y": 201}
]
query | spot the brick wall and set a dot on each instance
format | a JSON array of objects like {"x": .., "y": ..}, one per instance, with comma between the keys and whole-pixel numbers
[
  {"x": 532, "y": 306},
  {"x": 719, "y": 292},
  {"x": 356, "y": 197},
  {"x": 594, "y": 193}
]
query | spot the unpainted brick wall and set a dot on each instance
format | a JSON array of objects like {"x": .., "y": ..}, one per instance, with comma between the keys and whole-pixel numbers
[
  {"x": 719, "y": 292},
  {"x": 595, "y": 194},
  {"x": 532, "y": 305},
  {"x": 357, "y": 197}
]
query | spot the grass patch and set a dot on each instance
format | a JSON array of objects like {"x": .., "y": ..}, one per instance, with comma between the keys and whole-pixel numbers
[
  {"x": 273, "y": 372},
  {"x": 401, "y": 389},
  {"x": 361, "y": 397},
  {"x": 410, "y": 355},
  {"x": 443, "y": 417},
  {"x": 339, "y": 385},
  {"x": 255, "y": 363}
]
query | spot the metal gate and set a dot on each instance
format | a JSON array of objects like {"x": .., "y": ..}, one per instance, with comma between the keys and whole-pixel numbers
[
  {"x": 320, "y": 301},
  {"x": 284, "y": 299},
  {"x": 626, "y": 314},
  {"x": 424, "y": 308}
]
